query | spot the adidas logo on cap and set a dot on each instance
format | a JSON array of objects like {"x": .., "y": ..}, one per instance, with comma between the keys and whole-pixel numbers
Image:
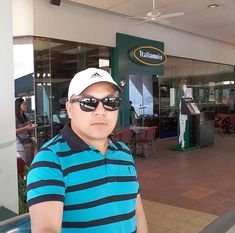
[{"x": 95, "y": 75}]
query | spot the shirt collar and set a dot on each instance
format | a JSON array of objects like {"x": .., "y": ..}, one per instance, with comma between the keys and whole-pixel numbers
[{"x": 74, "y": 141}]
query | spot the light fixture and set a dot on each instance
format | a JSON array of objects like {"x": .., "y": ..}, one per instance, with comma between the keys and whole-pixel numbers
[
  {"x": 213, "y": 5},
  {"x": 122, "y": 83}
]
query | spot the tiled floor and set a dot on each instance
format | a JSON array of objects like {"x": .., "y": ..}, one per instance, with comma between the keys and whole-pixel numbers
[
  {"x": 163, "y": 218},
  {"x": 184, "y": 191}
]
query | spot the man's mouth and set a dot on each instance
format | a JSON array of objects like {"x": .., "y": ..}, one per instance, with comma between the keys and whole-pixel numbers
[{"x": 99, "y": 124}]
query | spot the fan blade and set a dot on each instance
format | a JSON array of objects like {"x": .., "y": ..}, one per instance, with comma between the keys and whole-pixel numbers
[
  {"x": 163, "y": 21},
  {"x": 171, "y": 15},
  {"x": 138, "y": 17},
  {"x": 145, "y": 21}
]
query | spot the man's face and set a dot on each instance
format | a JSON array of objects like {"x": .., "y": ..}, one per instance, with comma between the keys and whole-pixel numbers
[{"x": 98, "y": 124}]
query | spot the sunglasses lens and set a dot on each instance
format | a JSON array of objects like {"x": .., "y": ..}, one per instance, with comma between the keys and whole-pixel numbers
[
  {"x": 88, "y": 104},
  {"x": 111, "y": 103}
]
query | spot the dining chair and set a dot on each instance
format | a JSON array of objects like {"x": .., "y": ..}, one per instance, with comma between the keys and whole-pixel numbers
[
  {"x": 21, "y": 167},
  {"x": 146, "y": 140},
  {"x": 124, "y": 135}
]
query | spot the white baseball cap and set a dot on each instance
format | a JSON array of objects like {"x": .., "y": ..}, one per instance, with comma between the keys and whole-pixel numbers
[{"x": 88, "y": 77}]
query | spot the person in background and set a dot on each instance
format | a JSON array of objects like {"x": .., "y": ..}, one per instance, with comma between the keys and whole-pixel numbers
[
  {"x": 82, "y": 181},
  {"x": 133, "y": 114},
  {"x": 23, "y": 127}
]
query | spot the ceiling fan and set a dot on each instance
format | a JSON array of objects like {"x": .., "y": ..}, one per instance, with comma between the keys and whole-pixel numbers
[{"x": 156, "y": 16}]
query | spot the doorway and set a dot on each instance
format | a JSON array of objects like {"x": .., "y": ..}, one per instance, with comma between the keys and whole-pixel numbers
[{"x": 154, "y": 101}]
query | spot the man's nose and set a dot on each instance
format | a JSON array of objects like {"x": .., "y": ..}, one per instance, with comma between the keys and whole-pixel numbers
[{"x": 100, "y": 108}]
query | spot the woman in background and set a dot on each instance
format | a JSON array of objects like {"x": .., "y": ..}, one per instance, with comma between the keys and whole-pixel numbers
[{"x": 23, "y": 128}]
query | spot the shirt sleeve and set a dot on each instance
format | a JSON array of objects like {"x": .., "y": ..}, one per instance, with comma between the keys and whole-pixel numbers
[{"x": 45, "y": 181}]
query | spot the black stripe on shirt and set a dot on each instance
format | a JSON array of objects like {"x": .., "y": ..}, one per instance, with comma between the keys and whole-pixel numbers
[
  {"x": 57, "y": 140},
  {"x": 45, "y": 149},
  {"x": 65, "y": 153},
  {"x": 101, "y": 201},
  {"x": 98, "y": 222},
  {"x": 102, "y": 181},
  {"x": 84, "y": 166},
  {"x": 45, "y": 164},
  {"x": 44, "y": 198},
  {"x": 119, "y": 162},
  {"x": 94, "y": 164},
  {"x": 41, "y": 183},
  {"x": 120, "y": 148},
  {"x": 69, "y": 152}
]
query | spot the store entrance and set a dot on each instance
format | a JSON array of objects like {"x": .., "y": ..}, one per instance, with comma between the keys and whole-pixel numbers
[{"x": 155, "y": 103}]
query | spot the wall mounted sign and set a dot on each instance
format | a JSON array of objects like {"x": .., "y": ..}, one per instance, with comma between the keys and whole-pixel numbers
[{"x": 147, "y": 55}]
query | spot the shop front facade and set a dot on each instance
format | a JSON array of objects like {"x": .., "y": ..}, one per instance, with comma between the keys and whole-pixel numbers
[
  {"x": 49, "y": 64},
  {"x": 154, "y": 89}
]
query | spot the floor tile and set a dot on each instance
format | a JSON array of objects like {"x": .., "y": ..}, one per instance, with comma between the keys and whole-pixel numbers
[
  {"x": 185, "y": 191},
  {"x": 198, "y": 192}
]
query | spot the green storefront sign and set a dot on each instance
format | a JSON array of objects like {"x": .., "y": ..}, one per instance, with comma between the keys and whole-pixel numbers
[
  {"x": 134, "y": 55},
  {"x": 147, "y": 55}
]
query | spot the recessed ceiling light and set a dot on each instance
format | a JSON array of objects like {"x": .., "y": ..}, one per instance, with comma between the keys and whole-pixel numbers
[{"x": 213, "y": 5}]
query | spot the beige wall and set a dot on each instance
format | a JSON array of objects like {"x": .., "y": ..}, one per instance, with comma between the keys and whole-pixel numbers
[
  {"x": 8, "y": 169},
  {"x": 22, "y": 17},
  {"x": 77, "y": 23}
]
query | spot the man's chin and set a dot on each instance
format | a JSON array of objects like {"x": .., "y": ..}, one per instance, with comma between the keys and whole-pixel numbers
[{"x": 99, "y": 133}]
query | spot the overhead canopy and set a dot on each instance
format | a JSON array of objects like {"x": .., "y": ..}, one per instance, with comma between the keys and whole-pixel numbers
[{"x": 24, "y": 85}]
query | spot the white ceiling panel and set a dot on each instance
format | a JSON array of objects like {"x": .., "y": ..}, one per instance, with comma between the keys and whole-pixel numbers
[
  {"x": 217, "y": 23},
  {"x": 101, "y": 4},
  {"x": 132, "y": 7}
]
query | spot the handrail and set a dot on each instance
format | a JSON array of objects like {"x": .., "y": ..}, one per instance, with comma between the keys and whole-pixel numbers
[{"x": 14, "y": 219}]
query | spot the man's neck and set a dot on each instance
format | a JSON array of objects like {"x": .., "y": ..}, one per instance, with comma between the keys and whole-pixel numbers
[{"x": 101, "y": 146}]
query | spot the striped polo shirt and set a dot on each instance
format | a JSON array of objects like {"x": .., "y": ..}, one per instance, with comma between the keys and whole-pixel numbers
[{"x": 99, "y": 192}]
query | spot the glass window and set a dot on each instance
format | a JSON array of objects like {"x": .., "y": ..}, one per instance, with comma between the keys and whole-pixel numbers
[{"x": 56, "y": 62}]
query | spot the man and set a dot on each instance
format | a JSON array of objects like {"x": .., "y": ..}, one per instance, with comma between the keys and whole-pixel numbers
[
  {"x": 133, "y": 114},
  {"x": 81, "y": 180}
]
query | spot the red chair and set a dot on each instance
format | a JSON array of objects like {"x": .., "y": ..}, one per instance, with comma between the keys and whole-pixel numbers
[
  {"x": 124, "y": 135},
  {"x": 231, "y": 123},
  {"x": 145, "y": 139},
  {"x": 221, "y": 123},
  {"x": 21, "y": 167}
]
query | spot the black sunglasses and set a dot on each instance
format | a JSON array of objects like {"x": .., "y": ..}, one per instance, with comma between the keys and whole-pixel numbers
[{"x": 89, "y": 104}]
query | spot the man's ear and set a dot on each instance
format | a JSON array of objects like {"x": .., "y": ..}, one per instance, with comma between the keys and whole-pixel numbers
[{"x": 69, "y": 109}]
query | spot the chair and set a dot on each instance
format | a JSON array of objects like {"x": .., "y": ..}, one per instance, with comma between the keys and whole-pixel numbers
[
  {"x": 221, "y": 123},
  {"x": 21, "y": 167},
  {"x": 231, "y": 122},
  {"x": 145, "y": 139},
  {"x": 124, "y": 135}
]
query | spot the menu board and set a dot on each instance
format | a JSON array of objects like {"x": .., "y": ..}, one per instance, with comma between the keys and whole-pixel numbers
[{"x": 188, "y": 107}]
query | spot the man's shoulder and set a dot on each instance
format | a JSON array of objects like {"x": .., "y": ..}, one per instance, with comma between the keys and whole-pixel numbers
[
  {"x": 53, "y": 146},
  {"x": 126, "y": 153},
  {"x": 56, "y": 142}
]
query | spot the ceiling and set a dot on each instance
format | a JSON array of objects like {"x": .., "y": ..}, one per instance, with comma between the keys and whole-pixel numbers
[{"x": 217, "y": 23}]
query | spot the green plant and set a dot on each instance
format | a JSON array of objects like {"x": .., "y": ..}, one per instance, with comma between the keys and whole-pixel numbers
[{"x": 23, "y": 208}]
